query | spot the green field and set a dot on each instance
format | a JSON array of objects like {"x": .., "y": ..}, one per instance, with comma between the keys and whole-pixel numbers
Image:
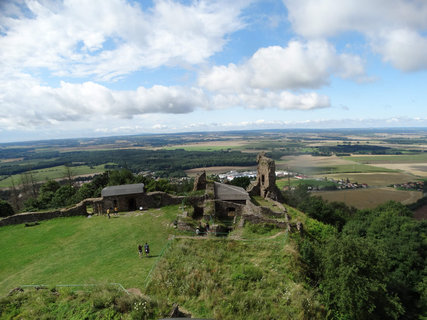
[
  {"x": 371, "y": 197},
  {"x": 374, "y": 179},
  {"x": 202, "y": 148},
  {"x": 281, "y": 183},
  {"x": 378, "y": 159},
  {"x": 331, "y": 169},
  {"x": 52, "y": 173},
  {"x": 80, "y": 250}
]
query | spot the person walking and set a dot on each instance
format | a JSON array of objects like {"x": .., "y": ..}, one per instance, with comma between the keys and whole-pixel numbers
[
  {"x": 140, "y": 250},
  {"x": 147, "y": 249}
]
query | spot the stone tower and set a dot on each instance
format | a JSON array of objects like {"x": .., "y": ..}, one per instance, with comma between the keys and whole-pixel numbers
[
  {"x": 265, "y": 185},
  {"x": 200, "y": 182}
]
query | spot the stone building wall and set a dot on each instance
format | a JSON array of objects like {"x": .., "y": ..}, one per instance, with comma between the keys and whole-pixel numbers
[
  {"x": 228, "y": 209},
  {"x": 131, "y": 202}
]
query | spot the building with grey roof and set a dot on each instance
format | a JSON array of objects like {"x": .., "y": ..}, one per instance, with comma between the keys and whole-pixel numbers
[
  {"x": 125, "y": 197},
  {"x": 227, "y": 192},
  {"x": 125, "y": 189}
]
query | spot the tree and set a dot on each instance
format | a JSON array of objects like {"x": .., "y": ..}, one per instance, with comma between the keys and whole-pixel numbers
[
  {"x": 15, "y": 194},
  {"x": 63, "y": 196},
  {"x": 401, "y": 238},
  {"x": 6, "y": 209},
  {"x": 122, "y": 176},
  {"x": 354, "y": 280},
  {"x": 68, "y": 175},
  {"x": 242, "y": 182}
]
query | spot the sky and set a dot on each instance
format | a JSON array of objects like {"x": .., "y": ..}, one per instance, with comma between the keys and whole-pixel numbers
[{"x": 88, "y": 68}]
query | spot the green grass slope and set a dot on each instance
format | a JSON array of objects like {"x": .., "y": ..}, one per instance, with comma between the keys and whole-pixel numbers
[
  {"x": 235, "y": 279},
  {"x": 80, "y": 250},
  {"x": 255, "y": 273},
  {"x": 102, "y": 302}
]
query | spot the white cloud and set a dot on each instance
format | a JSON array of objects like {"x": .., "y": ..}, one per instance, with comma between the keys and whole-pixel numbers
[
  {"x": 112, "y": 38},
  {"x": 299, "y": 65},
  {"x": 313, "y": 123},
  {"x": 159, "y": 126},
  {"x": 261, "y": 99},
  {"x": 26, "y": 103},
  {"x": 394, "y": 28},
  {"x": 404, "y": 48}
]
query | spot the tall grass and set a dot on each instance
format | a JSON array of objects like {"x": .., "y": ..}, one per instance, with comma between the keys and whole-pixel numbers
[
  {"x": 235, "y": 280},
  {"x": 103, "y": 302}
]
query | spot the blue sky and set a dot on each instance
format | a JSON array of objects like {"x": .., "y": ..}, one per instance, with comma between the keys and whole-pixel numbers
[{"x": 79, "y": 68}]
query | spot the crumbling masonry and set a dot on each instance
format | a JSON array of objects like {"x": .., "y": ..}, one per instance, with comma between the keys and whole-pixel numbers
[{"x": 265, "y": 185}]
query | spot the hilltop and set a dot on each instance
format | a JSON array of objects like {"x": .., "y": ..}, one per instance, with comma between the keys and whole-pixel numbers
[{"x": 208, "y": 276}]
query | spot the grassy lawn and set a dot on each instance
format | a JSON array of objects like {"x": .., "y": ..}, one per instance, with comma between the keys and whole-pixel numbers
[
  {"x": 79, "y": 250},
  {"x": 57, "y": 172},
  {"x": 260, "y": 277}
]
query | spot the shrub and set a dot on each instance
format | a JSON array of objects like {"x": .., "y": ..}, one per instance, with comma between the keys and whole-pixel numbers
[
  {"x": 262, "y": 228},
  {"x": 5, "y": 209}
]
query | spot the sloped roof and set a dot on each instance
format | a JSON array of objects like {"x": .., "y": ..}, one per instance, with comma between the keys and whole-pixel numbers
[
  {"x": 123, "y": 190},
  {"x": 227, "y": 192}
]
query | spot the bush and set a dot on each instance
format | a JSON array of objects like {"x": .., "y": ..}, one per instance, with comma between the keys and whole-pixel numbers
[
  {"x": 262, "y": 228},
  {"x": 6, "y": 209}
]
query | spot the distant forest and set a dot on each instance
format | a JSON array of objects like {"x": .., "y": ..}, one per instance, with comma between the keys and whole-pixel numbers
[{"x": 163, "y": 162}]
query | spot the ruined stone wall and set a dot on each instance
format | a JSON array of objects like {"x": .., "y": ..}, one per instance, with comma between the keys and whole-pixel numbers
[
  {"x": 265, "y": 185},
  {"x": 259, "y": 220},
  {"x": 28, "y": 217},
  {"x": 200, "y": 182},
  {"x": 154, "y": 199},
  {"x": 266, "y": 174},
  {"x": 159, "y": 199},
  {"x": 251, "y": 209},
  {"x": 227, "y": 209}
]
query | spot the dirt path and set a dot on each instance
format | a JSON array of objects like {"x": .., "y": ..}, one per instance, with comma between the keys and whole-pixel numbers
[{"x": 232, "y": 237}]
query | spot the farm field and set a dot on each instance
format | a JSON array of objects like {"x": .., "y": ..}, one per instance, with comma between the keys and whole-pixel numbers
[
  {"x": 312, "y": 165},
  {"x": 202, "y": 147},
  {"x": 387, "y": 159},
  {"x": 80, "y": 250},
  {"x": 58, "y": 172},
  {"x": 415, "y": 164},
  {"x": 209, "y": 145},
  {"x": 369, "y": 198},
  {"x": 417, "y": 169},
  {"x": 381, "y": 179},
  {"x": 283, "y": 182}
]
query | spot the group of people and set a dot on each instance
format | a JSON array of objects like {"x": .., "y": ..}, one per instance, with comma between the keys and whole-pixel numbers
[
  {"x": 146, "y": 250},
  {"x": 201, "y": 231},
  {"x": 110, "y": 210}
]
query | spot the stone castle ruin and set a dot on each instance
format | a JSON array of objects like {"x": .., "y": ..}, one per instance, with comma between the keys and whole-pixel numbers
[
  {"x": 265, "y": 185},
  {"x": 223, "y": 204}
]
